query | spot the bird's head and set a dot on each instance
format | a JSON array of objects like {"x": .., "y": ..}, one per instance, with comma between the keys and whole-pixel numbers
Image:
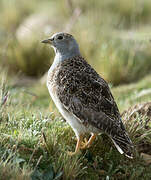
[{"x": 64, "y": 44}]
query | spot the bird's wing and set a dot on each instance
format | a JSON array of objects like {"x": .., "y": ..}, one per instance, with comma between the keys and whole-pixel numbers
[{"x": 86, "y": 95}]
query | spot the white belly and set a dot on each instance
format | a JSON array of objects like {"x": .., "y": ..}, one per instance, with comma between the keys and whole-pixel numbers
[
  {"x": 73, "y": 121},
  {"x": 77, "y": 127}
]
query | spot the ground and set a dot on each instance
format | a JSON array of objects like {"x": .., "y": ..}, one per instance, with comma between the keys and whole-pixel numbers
[{"x": 35, "y": 138}]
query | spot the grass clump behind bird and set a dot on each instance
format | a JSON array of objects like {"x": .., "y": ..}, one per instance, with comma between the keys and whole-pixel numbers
[{"x": 31, "y": 60}]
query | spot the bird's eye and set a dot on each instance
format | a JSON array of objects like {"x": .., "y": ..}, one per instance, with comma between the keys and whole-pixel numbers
[{"x": 60, "y": 37}]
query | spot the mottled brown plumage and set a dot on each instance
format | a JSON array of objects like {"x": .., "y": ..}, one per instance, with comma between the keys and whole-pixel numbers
[{"x": 85, "y": 101}]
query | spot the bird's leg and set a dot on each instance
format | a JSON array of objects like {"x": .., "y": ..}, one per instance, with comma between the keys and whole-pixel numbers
[
  {"x": 88, "y": 143},
  {"x": 78, "y": 146},
  {"x": 50, "y": 107}
]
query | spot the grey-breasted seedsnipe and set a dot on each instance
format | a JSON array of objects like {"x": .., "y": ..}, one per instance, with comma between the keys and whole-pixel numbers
[{"x": 83, "y": 97}]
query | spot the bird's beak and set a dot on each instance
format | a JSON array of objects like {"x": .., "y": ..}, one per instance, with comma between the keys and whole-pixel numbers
[{"x": 47, "y": 41}]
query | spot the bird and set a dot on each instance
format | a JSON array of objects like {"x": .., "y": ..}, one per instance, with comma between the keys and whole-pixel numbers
[{"x": 83, "y": 97}]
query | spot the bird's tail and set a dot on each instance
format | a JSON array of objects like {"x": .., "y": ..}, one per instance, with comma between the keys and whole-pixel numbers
[{"x": 123, "y": 144}]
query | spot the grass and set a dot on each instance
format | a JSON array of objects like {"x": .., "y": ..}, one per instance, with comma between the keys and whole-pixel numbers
[{"x": 34, "y": 140}]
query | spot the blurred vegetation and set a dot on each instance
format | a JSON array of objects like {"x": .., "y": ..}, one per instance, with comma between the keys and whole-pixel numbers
[
  {"x": 115, "y": 33},
  {"x": 30, "y": 60}
]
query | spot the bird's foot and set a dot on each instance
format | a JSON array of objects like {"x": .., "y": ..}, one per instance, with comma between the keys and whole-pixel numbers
[
  {"x": 88, "y": 143},
  {"x": 84, "y": 144},
  {"x": 78, "y": 146},
  {"x": 70, "y": 153}
]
